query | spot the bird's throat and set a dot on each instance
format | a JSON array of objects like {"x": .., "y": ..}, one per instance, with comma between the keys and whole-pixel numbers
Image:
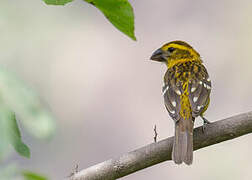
[{"x": 174, "y": 62}]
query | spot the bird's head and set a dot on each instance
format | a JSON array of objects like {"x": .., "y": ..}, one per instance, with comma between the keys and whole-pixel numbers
[{"x": 175, "y": 52}]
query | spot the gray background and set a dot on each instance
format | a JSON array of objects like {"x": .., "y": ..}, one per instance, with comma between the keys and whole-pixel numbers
[{"x": 106, "y": 94}]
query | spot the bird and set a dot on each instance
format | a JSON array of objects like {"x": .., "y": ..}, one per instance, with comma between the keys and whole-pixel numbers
[{"x": 186, "y": 93}]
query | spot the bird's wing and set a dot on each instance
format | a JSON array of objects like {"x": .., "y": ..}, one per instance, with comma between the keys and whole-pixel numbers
[
  {"x": 199, "y": 90},
  {"x": 171, "y": 93}
]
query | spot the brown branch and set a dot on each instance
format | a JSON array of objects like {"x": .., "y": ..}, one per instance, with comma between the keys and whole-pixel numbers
[{"x": 155, "y": 153}]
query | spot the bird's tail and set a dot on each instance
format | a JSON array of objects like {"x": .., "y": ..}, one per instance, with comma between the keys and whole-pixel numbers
[{"x": 183, "y": 141}]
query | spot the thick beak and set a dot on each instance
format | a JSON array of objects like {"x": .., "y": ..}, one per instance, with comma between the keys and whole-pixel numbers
[{"x": 157, "y": 55}]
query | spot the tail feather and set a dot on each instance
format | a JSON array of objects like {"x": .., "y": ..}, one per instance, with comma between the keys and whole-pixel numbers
[
  {"x": 177, "y": 145},
  {"x": 183, "y": 142}
]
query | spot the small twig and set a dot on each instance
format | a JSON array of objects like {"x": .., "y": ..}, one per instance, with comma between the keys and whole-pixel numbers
[
  {"x": 155, "y": 133},
  {"x": 74, "y": 171}
]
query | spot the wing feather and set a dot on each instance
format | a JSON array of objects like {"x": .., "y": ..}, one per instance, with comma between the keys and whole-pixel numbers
[{"x": 199, "y": 89}]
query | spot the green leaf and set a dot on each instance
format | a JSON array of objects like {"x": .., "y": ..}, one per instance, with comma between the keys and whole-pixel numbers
[
  {"x": 57, "y": 2},
  {"x": 15, "y": 137},
  {"x": 10, "y": 133},
  {"x": 119, "y": 13},
  {"x": 26, "y": 105},
  {"x": 12, "y": 171},
  {"x": 28, "y": 175}
]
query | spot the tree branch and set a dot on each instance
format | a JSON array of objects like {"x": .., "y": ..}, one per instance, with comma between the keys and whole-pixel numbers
[{"x": 158, "y": 152}]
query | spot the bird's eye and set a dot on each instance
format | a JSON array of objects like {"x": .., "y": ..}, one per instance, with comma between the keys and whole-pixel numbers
[{"x": 171, "y": 49}]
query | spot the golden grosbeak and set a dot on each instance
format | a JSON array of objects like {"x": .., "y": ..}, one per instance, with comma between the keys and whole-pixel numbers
[{"x": 186, "y": 93}]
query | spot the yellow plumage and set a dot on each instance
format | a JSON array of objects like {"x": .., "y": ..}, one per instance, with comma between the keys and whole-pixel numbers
[{"x": 186, "y": 93}]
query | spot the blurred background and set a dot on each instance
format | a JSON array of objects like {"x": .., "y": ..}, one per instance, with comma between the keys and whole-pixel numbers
[{"x": 105, "y": 92}]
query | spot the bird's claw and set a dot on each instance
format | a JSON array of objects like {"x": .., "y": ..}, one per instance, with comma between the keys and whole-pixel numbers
[{"x": 205, "y": 122}]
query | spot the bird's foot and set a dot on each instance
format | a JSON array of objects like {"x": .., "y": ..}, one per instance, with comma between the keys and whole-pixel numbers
[{"x": 205, "y": 122}]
